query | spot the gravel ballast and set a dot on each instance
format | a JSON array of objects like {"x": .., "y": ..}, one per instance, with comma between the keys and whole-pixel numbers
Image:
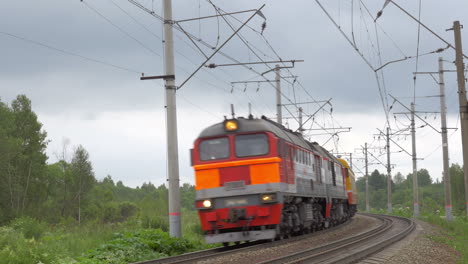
[
  {"x": 358, "y": 225},
  {"x": 422, "y": 249}
]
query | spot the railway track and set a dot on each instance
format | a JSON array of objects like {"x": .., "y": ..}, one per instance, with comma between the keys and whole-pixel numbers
[
  {"x": 346, "y": 250},
  {"x": 220, "y": 251},
  {"x": 354, "y": 248}
]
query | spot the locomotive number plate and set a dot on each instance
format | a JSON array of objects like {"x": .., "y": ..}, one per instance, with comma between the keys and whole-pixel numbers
[
  {"x": 235, "y": 202},
  {"x": 234, "y": 185}
]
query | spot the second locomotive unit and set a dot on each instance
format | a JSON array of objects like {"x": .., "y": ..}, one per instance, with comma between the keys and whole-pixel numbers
[{"x": 257, "y": 180}]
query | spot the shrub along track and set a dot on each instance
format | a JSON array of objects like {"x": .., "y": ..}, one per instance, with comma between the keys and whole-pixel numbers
[{"x": 347, "y": 250}]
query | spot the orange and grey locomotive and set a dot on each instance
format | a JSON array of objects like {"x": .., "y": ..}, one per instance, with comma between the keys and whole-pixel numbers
[{"x": 257, "y": 180}]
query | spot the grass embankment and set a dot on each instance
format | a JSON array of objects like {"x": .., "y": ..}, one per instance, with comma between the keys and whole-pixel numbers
[
  {"x": 27, "y": 241},
  {"x": 455, "y": 233}
]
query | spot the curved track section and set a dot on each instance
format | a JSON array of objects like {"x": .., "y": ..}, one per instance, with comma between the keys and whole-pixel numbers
[
  {"x": 354, "y": 248},
  {"x": 347, "y": 250}
]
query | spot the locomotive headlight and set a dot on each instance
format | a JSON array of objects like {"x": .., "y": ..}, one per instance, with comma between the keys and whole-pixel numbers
[
  {"x": 230, "y": 125},
  {"x": 206, "y": 203},
  {"x": 268, "y": 198}
]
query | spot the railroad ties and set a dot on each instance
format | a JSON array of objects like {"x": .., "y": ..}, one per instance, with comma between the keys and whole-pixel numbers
[{"x": 347, "y": 250}]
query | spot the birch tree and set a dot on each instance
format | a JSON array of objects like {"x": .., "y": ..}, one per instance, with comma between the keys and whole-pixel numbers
[{"x": 82, "y": 177}]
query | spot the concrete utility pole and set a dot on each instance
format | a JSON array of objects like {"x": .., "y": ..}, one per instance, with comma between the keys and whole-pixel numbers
[
  {"x": 415, "y": 169},
  {"x": 445, "y": 153},
  {"x": 367, "y": 179},
  {"x": 300, "y": 120},
  {"x": 389, "y": 175},
  {"x": 463, "y": 102},
  {"x": 171, "y": 129},
  {"x": 279, "y": 116}
]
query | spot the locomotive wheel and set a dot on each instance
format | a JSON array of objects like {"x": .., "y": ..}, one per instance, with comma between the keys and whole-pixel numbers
[{"x": 225, "y": 244}]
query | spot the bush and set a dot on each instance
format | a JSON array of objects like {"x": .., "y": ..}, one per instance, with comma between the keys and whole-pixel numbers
[
  {"x": 114, "y": 213},
  {"x": 136, "y": 246},
  {"x": 127, "y": 210},
  {"x": 110, "y": 213},
  {"x": 155, "y": 223},
  {"x": 15, "y": 249},
  {"x": 30, "y": 227}
]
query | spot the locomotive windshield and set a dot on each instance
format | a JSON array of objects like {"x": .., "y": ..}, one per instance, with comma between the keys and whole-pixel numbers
[
  {"x": 212, "y": 149},
  {"x": 251, "y": 145}
]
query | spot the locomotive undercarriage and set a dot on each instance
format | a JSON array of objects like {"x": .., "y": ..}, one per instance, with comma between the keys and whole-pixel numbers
[
  {"x": 300, "y": 215},
  {"x": 303, "y": 215}
]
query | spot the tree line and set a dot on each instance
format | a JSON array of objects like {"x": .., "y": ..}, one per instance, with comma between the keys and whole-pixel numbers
[
  {"x": 66, "y": 191},
  {"x": 69, "y": 192},
  {"x": 431, "y": 193}
]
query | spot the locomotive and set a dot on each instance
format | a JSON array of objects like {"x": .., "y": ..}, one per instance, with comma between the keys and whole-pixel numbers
[{"x": 257, "y": 180}]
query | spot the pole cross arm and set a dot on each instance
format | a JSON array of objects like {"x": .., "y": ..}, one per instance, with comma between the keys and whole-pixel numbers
[
  {"x": 394, "y": 142},
  {"x": 213, "y": 16},
  {"x": 323, "y": 105},
  {"x": 220, "y": 47},
  {"x": 330, "y": 128},
  {"x": 253, "y": 81},
  {"x": 381, "y": 163},
  {"x": 165, "y": 77},
  {"x": 213, "y": 65},
  {"x": 414, "y": 114}
]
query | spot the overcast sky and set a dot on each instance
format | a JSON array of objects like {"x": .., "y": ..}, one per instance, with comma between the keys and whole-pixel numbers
[{"x": 80, "y": 63}]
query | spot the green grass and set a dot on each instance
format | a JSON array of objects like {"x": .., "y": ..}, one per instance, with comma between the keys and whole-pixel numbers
[
  {"x": 55, "y": 244},
  {"x": 455, "y": 233},
  {"x": 26, "y": 241}
]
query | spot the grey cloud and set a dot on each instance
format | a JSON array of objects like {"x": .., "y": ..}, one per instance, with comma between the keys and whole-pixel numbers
[{"x": 70, "y": 87}]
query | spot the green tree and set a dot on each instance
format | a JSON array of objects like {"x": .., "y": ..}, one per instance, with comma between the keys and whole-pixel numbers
[
  {"x": 398, "y": 178},
  {"x": 377, "y": 181},
  {"x": 187, "y": 193},
  {"x": 82, "y": 176},
  {"x": 9, "y": 148},
  {"x": 361, "y": 184},
  {"x": 458, "y": 190},
  {"x": 424, "y": 179},
  {"x": 22, "y": 159}
]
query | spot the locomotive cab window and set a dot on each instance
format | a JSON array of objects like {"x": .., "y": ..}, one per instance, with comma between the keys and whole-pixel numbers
[
  {"x": 213, "y": 149},
  {"x": 251, "y": 145}
]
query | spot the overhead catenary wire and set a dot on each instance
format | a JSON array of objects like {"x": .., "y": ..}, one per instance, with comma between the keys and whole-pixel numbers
[
  {"x": 70, "y": 53},
  {"x": 175, "y": 26},
  {"x": 268, "y": 44},
  {"x": 74, "y": 54},
  {"x": 198, "y": 40},
  {"x": 157, "y": 36},
  {"x": 360, "y": 53},
  {"x": 382, "y": 29},
  {"x": 424, "y": 26},
  {"x": 120, "y": 29},
  {"x": 259, "y": 57},
  {"x": 289, "y": 71},
  {"x": 438, "y": 147}
]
